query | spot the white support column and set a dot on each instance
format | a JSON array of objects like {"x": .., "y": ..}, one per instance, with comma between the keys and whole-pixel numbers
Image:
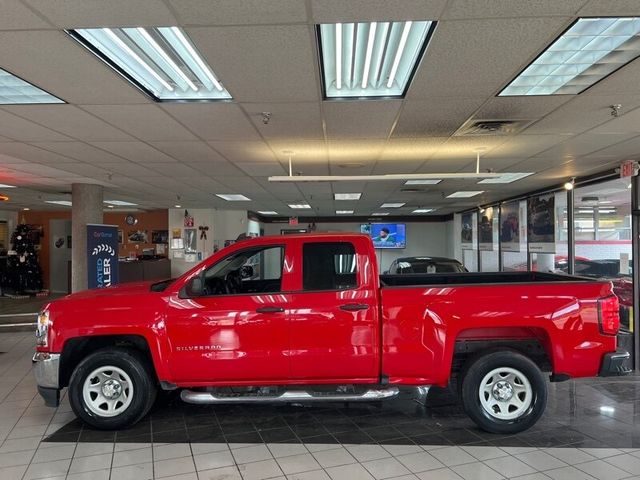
[{"x": 87, "y": 208}]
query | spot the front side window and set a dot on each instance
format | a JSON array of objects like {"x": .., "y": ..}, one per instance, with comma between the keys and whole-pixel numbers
[
  {"x": 329, "y": 266},
  {"x": 257, "y": 270}
]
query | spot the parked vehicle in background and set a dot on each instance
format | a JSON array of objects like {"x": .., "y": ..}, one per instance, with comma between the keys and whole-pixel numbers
[
  {"x": 314, "y": 322},
  {"x": 407, "y": 265}
]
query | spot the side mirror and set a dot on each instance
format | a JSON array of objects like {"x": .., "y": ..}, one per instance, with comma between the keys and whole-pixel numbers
[{"x": 195, "y": 287}]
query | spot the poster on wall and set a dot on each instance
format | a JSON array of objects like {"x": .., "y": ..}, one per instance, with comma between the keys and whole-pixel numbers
[
  {"x": 541, "y": 231},
  {"x": 102, "y": 256},
  {"x": 466, "y": 231},
  {"x": 190, "y": 240},
  {"x": 510, "y": 227},
  {"x": 138, "y": 236},
  {"x": 485, "y": 229},
  {"x": 159, "y": 236}
]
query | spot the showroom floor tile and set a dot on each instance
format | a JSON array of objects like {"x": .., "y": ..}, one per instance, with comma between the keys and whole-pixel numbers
[{"x": 591, "y": 431}]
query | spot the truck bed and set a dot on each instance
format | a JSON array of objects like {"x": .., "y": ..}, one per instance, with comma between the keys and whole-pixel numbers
[{"x": 485, "y": 278}]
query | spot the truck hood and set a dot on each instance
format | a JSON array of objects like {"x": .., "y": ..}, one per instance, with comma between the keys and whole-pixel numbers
[{"x": 124, "y": 289}]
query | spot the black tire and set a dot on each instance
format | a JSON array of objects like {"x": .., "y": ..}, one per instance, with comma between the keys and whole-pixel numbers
[
  {"x": 142, "y": 378},
  {"x": 470, "y": 383}
]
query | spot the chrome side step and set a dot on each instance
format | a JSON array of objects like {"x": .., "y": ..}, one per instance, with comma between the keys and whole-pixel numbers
[{"x": 205, "y": 398}]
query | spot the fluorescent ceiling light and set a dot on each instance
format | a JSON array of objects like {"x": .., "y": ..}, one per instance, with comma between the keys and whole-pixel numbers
[
  {"x": 379, "y": 214},
  {"x": 267, "y": 212},
  {"x": 506, "y": 178},
  {"x": 422, "y": 182},
  {"x": 15, "y": 91},
  {"x": 3, "y": 185},
  {"x": 233, "y": 197},
  {"x": 161, "y": 61},
  {"x": 66, "y": 203},
  {"x": 423, "y": 210},
  {"x": 465, "y": 194},
  {"x": 347, "y": 196},
  {"x": 299, "y": 206},
  {"x": 587, "y": 52},
  {"x": 120, "y": 203},
  {"x": 395, "y": 177},
  {"x": 371, "y": 59},
  {"x": 392, "y": 205},
  {"x": 344, "y": 212}
]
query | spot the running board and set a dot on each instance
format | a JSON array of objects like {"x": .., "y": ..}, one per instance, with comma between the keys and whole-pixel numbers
[{"x": 205, "y": 398}]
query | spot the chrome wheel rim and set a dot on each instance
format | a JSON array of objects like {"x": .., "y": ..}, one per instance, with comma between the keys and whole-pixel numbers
[
  {"x": 505, "y": 393},
  {"x": 107, "y": 391}
]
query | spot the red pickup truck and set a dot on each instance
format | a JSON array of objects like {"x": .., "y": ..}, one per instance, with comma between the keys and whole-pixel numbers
[{"x": 307, "y": 318}]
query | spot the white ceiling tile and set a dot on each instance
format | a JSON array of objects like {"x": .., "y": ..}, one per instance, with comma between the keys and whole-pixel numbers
[
  {"x": 18, "y": 128},
  {"x": 85, "y": 170},
  {"x": 16, "y": 16},
  {"x": 331, "y": 11},
  {"x": 303, "y": 150},
  {"x": 128, "y": 169},
  {"x": 40, "y": 169},
  {"x": 523, "y": 146},
  {"x": 54, "y": 62},
  {"x": 458, "y": 61},
  {"x": 114, "y": 13},
  {"x": 146, "y": 122},
  {"x": 347, "y": 151},
  {"x": 244, "y": 151},
  {"x": 216, "y": 169},
  {"x": 214, "y": 121},
  {"x": 585, "y": 144},
  {"x": 435, "y": 117},
  {"x": 135, "y": 151},
  {"x": 189, "y": 151},
  {"x": 457, "y": 9},
  {"x": 520, "y": 108},
  {"x": 69, "y": 120},
  {"x": 31, "y": 153},
  {"x": 582, "y": 113},
  {"x": 625, "y": 123},
  {"x": 288, "y": 120},
  {"x": 80, "y": 151},
  {"x": 358, "y": 119},
  {"x": 611, "y": 8},
  {"x": 261, "y": 169},
  {"x": 246, "y": 12},
  {"x": 173, "y": 169},
  {"x": 262, "y": 63}
]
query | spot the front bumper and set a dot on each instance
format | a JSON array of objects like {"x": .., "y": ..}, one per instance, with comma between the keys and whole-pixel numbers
[
  {"x": 615, "y": 364},
  {"x": 46, "y": 367}
]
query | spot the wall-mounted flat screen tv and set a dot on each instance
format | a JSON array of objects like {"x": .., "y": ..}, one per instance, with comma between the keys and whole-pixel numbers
[{"x": 386, "y": 235}]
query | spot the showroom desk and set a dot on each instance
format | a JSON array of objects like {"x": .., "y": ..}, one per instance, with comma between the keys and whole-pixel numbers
[{"x": 141, "y": 270}]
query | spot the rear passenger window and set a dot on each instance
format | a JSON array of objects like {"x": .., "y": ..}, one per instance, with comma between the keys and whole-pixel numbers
[{"x": 328, "y": 266}]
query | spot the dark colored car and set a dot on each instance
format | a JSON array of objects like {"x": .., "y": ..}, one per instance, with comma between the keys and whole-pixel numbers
[{"x": 425, "y": 265}]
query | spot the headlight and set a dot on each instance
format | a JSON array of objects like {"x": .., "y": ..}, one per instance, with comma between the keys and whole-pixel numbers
[{"x": 42, "y": 329}]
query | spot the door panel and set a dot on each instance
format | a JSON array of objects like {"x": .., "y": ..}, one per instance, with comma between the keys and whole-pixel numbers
[
  {"x": 225, "y": 338},
  {"x": 334, "y": 331}
]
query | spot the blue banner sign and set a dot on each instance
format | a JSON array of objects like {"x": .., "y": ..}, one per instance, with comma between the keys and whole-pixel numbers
[{"x": 102, "y": 255}]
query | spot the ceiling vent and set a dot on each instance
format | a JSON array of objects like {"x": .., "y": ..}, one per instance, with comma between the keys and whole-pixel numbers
[
  {"x": 412, "y": 190},
  {"x": 476, "y": 127}
]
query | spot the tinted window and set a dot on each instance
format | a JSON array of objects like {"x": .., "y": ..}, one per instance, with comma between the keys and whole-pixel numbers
[{"x": 328, "y": 266}]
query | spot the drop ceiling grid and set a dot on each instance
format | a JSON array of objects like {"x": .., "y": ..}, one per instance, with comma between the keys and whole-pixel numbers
[{"x": 448, "y": 69}]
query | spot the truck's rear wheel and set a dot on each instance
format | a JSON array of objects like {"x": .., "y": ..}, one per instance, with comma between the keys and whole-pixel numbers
[
  {"x": 112, "y": 388},
  {"x": 503, "y": 392}
]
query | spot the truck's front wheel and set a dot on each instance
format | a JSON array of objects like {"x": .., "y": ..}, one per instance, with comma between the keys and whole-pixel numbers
[
  {"x": 112, "y": 388},
  {"x": 503, "y": 392}
]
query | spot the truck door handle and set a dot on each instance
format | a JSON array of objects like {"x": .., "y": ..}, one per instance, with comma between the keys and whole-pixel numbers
[
  {"x": 353, "y": 307},
  {"x": 270, "y": 310}
]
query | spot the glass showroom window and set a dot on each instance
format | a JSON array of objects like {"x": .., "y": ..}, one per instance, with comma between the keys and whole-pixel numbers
[
  {"x": 513, "y": 235},
  {"x": 603, "y": 239},
  {"x": 467, "y": 230},
  {"x": 547, "y": 231},
  {"x": 488, "y": 239}
]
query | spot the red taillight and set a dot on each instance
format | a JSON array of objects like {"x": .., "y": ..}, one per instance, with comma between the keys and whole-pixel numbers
[{"x": 609, "y": 315}]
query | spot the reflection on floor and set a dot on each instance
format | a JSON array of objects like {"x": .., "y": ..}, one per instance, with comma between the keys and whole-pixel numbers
[{"x": 590, "y": 431}]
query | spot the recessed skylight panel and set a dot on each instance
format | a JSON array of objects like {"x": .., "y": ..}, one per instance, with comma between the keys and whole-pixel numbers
[
  {"x": 588, "y": 51},
  {"x": 161, "y": 61},
  {"x": 15, "y": 91},
  {"x": 371, "y": 59}
]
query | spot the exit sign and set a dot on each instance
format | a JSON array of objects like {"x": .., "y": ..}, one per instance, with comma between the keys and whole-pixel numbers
[
  {"x": 627, "y": 168},
  {"x": 293, "y": 220}
]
